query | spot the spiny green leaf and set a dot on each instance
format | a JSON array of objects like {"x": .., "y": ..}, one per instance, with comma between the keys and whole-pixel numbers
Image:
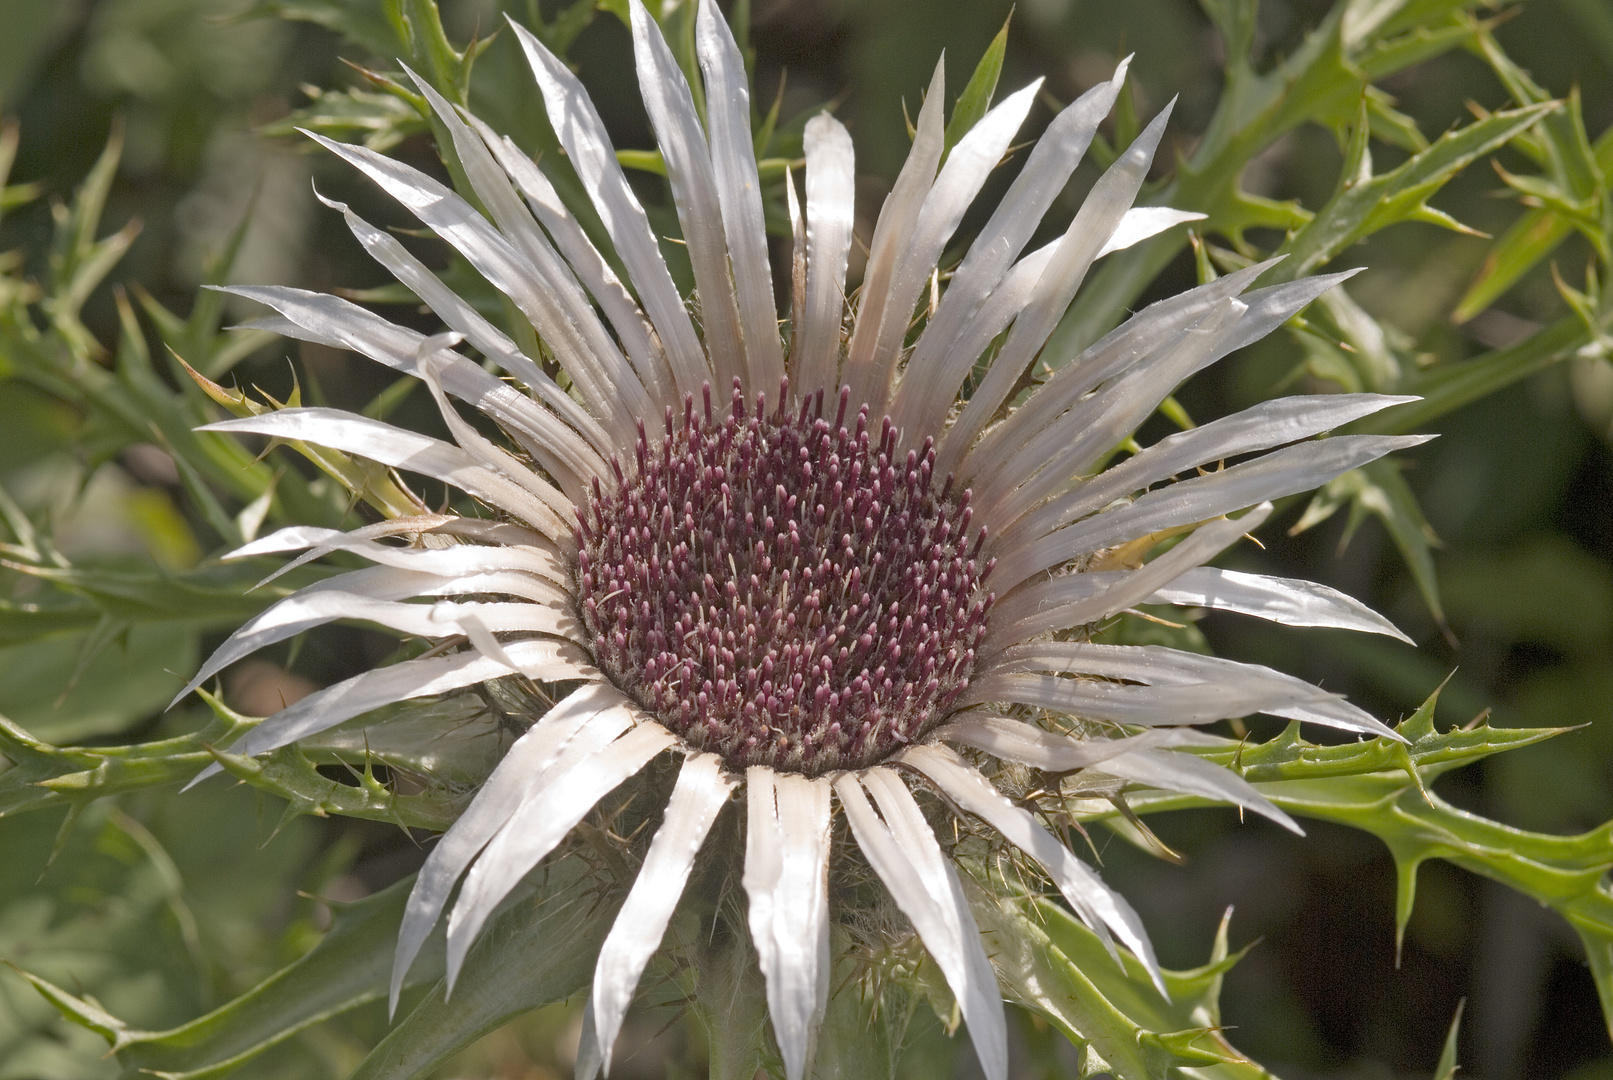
[
  {"x": 1386, "y": 56},
  {"x": 197, "y": 338},
  {"x": 1194, "y": 1002},
  {"x": 1054, "y": 966},
  {"x": 78, "y": 278},
  {"x": 379, "y": 120},
  {"x": 1543, "y": 192},
  {"x": 1409, "y": 15},
  {"x": 350, "y": 966},
  {"x": 1032, "y": 972},
  {"x": 454, "y": 740},
  {"x": 132, "y": 404},
  {"x": 105, "y": 632},
  {"x": 1530, "y": 239},
  {"x": 33, "y": 762},
  {"x": 1365, "y": 205},
  {"x": 45, "y": 776},
  {"x": 1446, "y": 387},
  {"x": 762, "y": 137},
  {"x": 1595, "y": 930},
  {"x": 444, "y": 66},
  {"x": 212, "y": 510},
  {"x": 1384, "y": 493},
  {"x": 1426, "y": 754},
  {"x": 22, "y": 529},
  {"x": 1379, "y": 490},
  {"x": 1591, "y": 307},
  {"x": 1236, "y": 20},
  {"x": 1314, "y": 83},
  {"x": 1566, "y": 873},
  {"x": 1379, "y": 353},
  {"x": 14, "y": 195},
  {"x": 1446, "y": 1069},
  {"x": 975, "y": 100},
  {"x": 367, "y": 480},
  {"x": 292, "y": 775},
  {"x": 78, "y": 261},
  {"x": 1322, "y": 81},
  {"x": 83, "y": 1013},
  {"x": 1569, "y": 158},
  {"x": 79, "y": 222},
  {"x": 1390, "y": 124}
]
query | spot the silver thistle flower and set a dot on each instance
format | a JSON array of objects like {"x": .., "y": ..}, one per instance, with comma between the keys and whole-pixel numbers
[{"x": 810, "y": 595}]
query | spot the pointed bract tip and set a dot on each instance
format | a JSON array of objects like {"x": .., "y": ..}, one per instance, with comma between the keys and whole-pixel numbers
[
  {"x": 212, "y": 770},
  {"x": 593, "y": 1058},
  {"x": 1339, "y": 277},
  {"x": 333, "y": 204},
  {"x": 1147, "y": 143}
]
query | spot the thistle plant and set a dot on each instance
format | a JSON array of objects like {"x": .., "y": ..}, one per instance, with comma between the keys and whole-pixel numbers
[{"x": 773, "y": 665}]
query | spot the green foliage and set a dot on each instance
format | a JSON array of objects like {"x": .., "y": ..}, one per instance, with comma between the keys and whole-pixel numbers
[
  {"x": 1332, "y": 80},
  {"x": 78, "y": 686},
  {"x": 975, "y": 100},
  {"x": 540, "y": 950},
  {"x": 1379, "y": 490},
  {"x": 1383, "y": 787},
  {"x": 151, "y": 919},
  {"x": 43, "y": 776},
  {"x": 1366, "y": 203},
  {"x": 120, "y": 632},
  {"x": 1056, "y": 967},
  {"x": 291, "y": 775},
  {"x": 349, "y": 967},
  {"x": 1446, "y": 1069},
  {"x": 1047, "y": 960}
]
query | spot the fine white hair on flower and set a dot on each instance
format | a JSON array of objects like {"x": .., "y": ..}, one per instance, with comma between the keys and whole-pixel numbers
[{"x": 830, "y": 567}]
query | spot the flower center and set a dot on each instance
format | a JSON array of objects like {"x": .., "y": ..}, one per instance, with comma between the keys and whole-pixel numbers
[{"x": 782, "y": 590}]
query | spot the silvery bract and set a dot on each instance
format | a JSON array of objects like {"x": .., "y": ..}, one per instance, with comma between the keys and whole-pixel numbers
[{"x": 820, "y": 573}]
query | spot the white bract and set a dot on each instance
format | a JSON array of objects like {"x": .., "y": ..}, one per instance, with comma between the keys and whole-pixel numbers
[{"x": 807, "y": 604}]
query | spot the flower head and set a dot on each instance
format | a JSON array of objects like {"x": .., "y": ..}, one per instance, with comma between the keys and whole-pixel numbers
[{"x": 810, "y": 571}]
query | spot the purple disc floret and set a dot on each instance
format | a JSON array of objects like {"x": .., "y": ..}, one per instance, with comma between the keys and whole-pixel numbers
[{"x": 781, "y": 589}]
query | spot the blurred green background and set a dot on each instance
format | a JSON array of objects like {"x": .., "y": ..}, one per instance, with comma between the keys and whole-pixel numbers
[{"x": 164, "y": 906}]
